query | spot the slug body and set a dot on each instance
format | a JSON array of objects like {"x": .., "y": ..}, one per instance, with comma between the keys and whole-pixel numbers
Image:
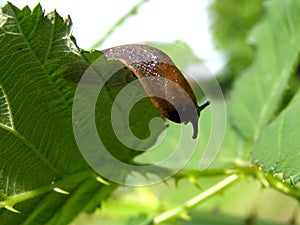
[{"x": 169, "y": 91}]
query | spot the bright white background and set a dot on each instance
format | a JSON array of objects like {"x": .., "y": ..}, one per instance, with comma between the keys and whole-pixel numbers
[{"x": 157, "y": 20}]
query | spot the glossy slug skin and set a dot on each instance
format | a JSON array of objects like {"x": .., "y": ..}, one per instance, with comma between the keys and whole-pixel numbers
[{"x": 148, "y": 62}]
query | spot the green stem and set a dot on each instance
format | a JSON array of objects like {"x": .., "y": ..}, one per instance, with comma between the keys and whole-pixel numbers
[
  {"x": 132, "y": 12},
  {"x": 266, "y": 179},
  {"x": 219, "y": 187},
  {"x": 281, "y": 186}
]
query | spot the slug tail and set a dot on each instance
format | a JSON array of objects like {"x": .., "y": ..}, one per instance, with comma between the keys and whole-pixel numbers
[
  {"x": 195, "y": 126},
  {"x": 195, "y": 121}
]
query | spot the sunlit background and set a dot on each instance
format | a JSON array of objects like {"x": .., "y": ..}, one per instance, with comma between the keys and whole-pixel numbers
[{"x": 156, "y": 20}]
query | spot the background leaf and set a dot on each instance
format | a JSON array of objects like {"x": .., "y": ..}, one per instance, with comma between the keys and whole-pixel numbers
[
  {"x": 278, "y": 147},
  {"x": 257, "y": 94}
]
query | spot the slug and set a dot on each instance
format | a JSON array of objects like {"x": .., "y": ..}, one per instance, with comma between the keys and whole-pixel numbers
[{"x": 178, "y": 103}]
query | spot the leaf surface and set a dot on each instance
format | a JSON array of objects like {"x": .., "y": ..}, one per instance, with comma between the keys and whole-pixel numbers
[
  {"x": 278, "y": 147},
  {"x": 43, "y": 175},
  {"x": 258, "y": 92}
]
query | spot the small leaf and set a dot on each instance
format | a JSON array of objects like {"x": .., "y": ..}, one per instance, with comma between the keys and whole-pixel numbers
[
  {"x": 278, "y": 147},
  {"x": 257, "y": 94}
]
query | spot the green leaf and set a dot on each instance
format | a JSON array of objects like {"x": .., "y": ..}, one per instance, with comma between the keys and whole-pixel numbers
[
  {"x": 43, "y": 175},
  {"x": 258, "y": 92},
  {"x": 39, "y": 99},
  {"x": 278, "y": 147}
]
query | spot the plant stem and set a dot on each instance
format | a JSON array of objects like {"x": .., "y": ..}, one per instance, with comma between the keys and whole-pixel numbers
[
  {"x": 281, "y": 186},
  {"x": 266, "y": 179},
  {"x": 132, "y": 12},
  {"x": 194, "y": 201}
]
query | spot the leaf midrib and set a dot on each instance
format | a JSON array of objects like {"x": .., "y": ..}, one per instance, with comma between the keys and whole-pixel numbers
[
  {"x": 12, "y": 200},
  {"x": 67, "y": 106}
]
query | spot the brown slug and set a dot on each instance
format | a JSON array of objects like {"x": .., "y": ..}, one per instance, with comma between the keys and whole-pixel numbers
[{"x": 169, "y": 91}]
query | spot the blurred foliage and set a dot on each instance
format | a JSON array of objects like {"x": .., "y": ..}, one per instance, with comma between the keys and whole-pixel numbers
[{"x": 232, "y": 21}]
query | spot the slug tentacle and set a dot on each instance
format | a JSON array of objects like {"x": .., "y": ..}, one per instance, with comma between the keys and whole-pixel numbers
[{"x": 203, "y": 106}]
